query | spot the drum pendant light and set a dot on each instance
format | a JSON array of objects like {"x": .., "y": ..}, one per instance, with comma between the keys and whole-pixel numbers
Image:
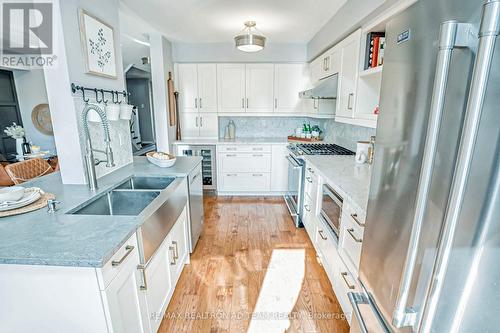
[{"x": 250, "y": 39}]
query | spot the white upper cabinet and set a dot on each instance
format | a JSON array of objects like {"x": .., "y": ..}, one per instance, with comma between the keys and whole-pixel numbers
[
  {"x": 197, "y": 87},
  {"x": 231, "y": 87},
  {"x": 207, "y": 88},
  {"x": 259, "y": 87},
  {"x": 289, "y": 80},
  {"x": 325, "y": 65},
  {"x": 348, "y": 75},
  {"x": 188, "y": 87}
]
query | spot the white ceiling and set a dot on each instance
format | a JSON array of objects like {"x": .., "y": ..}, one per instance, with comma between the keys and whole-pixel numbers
[{"x": 214, "y": 21}]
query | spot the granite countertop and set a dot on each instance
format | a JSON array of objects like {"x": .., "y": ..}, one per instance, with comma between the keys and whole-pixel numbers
[
  {"x": 350, "y": 179},
  {"x": 59, "y": 239},
  {"x": 242, "y": 140}
]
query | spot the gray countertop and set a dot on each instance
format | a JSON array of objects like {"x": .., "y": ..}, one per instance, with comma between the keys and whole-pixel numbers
[
  {"x": 350, "y": 179},
  {"x": 59, "y": 239},
  {"x": 201, "y": 141}
]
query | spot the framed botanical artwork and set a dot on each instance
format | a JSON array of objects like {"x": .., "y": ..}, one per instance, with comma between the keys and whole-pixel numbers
[{"x": 98, "y": 44}]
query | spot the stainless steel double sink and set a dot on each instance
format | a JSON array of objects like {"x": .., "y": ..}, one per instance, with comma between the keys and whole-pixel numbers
[
  {"x": 129, "y": 198},
  {"x": 156, "y": 202}
]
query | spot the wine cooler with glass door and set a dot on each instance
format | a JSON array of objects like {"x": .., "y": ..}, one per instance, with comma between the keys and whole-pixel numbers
[{"x": 208, "y": 169}]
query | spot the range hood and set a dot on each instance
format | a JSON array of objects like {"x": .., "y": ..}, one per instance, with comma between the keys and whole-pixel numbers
[{"x": 325, "y": 89}]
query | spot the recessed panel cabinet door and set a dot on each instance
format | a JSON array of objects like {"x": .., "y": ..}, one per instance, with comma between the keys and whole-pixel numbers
[
  {"x": 126, "y": 303},
  {"x": 188, "y": 87},
  {"x": 348, "y": 75},
  {"x": 231, "y": 87},
  {"x": 289, "y": 80},
  {"x": 259, "y": 87},
  {"x": 209, "y": 125},
  {"x": 190, "y": 125},
  {"x": 207, "y": 88}
]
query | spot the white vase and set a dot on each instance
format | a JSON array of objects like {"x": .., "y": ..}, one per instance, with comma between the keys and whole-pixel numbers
[{"x": 19, "y": 146}]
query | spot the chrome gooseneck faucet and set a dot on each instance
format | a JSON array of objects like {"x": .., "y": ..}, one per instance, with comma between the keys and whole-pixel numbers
[{"x": 90, "y": 161}]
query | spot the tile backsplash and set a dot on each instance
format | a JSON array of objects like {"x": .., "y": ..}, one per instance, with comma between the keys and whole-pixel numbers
[
  {"x": 346, "y": 135},
  {"x": 268, "y": 127},
  {"x": 258, "y": 127}
]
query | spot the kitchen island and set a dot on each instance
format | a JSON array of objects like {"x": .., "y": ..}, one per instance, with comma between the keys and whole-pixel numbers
[{"x": 95, "y": 268}]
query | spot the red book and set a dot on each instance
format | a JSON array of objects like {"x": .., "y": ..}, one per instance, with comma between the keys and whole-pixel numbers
[{"x": 376, "y": 43}]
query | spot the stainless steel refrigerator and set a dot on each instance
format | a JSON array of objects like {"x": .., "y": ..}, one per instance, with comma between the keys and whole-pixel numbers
[{"x": 431, "y": 252}]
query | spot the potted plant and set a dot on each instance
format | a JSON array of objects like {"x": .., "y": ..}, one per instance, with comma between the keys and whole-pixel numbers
[{"x": 16, "y": 132}]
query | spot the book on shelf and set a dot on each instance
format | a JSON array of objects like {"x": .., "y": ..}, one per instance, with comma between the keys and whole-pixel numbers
[{"x": 373, "y": 51}]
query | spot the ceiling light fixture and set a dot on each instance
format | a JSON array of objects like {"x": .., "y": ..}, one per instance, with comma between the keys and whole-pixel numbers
[{"x": 250, "y": 39}]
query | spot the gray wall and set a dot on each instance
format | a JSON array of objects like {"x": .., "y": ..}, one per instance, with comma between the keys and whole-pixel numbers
[
  {"x": 226, "y": 52},
  {"x": 350, "y": 17},
  {"x": 346, "y": 135},
  {"x": 31, "y": 91}
]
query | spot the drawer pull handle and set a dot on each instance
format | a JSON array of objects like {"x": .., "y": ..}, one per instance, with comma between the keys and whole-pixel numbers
[
  {"x": 171, "y": 248},
  {"x": 306, "y": 207},
  {"x": 144, "y": 285},
  {"x": 344, "y": 277},
  {"x": 355, "y": 218},
  {"x": 259, "y": 149},
  {"x": 257, "y": 175},
  {"x": 310, "y": 170},
  {"x": 231, "y": 175},
  {"x": 176, "y": 253},
  {"x": 257, "y": 155},
  {"x": 230, "y": 155},
  {"x": 129, "y": 249},
  {"x": 351, "y": 232},
  {"x": 231, "y": 148},
  {"x": 320, "y": 232},
  {"x": 309, "y": 180}
]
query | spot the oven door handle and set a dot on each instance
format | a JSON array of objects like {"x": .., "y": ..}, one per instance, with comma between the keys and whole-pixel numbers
[{"x": 294, "y": 164}]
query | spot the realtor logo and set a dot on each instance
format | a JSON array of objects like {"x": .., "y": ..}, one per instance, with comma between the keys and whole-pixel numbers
[{"x": 27, "y": 28}]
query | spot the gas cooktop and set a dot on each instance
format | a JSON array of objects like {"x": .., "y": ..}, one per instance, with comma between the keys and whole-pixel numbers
[{"x": 323, "y": 149}]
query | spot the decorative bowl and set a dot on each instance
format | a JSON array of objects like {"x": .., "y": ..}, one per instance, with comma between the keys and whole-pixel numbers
[
  {"x": 160, "y": 159},
  {"x": 13, "y": 193}
]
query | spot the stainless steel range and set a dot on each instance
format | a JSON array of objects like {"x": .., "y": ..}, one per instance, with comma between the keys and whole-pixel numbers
[{"x": 295, "y": 196}]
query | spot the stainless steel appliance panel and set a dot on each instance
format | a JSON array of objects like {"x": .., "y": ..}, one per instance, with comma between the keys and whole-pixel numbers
[
  {"x": 295, "y": 193},
  {"x": 407, "y": 87},
  {"x": 331, "y": 209},
  {"x": 196, "y": 213},
  {"x": 209, "y": 170}
]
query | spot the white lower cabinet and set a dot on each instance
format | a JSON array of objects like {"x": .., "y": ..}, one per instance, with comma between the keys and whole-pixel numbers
[
  {"x": 125, "y": 302},
  {"x": 343, "y": 282},
  {"x": 279, "y": 168}
]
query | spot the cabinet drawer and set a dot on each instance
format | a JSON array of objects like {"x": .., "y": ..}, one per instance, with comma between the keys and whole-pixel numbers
[
  {"x": 115, "y": 264},
  {"x": 245, "y": 148},
  {"x": 246, "y": 162},
  {"x": 327, "y": 243},
  {"x": 311, "y": 183},
  {"x": 245, "y": 182},
  {"x": 309, "y": 219},
  {"x": 343, "y": 283},
  {"x": 352, "y": 240}
]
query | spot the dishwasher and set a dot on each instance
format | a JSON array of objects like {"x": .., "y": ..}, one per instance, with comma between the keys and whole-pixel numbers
[{"x": 196, "y": 214}]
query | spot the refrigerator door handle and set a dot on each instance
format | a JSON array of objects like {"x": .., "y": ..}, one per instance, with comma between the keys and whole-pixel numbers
[
  {"x": 488, "y": 32},
  {"x": 357, "y": 298},
  {"x": 452, "y": 35}
]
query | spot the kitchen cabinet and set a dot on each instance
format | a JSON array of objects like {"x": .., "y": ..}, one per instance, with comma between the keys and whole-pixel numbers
[
  {"x": 244, "y": 168},
  {"x": 343, "y": 282},
  {"x": 321, "y": 108},
  {"x": 158, "y": 285},
  {"x": 289, "y": 80},
  {"x": 197, "y": 87},
  {"x": 231, "y": 88},
  {"x": 348, "y": 75},
  {"x": 259, "y": 87},
  {"x": 199, "y": 125},
  {"x": 351, "y": 236},
  {"x": 279, "y": 168},
  {"x": 126, "y": 304},
  {"x": 177, "y": 251},
  {"x": 325, "y": 65}
]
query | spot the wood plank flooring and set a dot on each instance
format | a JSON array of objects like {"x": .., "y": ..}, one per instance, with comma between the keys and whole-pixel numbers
[{"x": 218, "y": 290}]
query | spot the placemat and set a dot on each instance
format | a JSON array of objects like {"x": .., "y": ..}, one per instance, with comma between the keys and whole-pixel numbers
[{"x": 40, "y": 203}]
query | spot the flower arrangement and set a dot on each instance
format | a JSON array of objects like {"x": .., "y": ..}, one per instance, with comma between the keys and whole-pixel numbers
[{"x": 15, "y": 131}]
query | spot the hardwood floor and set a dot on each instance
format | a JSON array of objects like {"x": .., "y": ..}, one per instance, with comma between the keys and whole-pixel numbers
[{"x": 218, "y": 290}]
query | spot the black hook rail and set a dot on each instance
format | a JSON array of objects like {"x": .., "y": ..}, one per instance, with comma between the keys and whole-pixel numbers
[{"x": 101, "y": 92}]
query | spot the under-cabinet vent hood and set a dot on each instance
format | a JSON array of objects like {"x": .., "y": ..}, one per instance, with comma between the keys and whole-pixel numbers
[{"x": 325, "y": 89}]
